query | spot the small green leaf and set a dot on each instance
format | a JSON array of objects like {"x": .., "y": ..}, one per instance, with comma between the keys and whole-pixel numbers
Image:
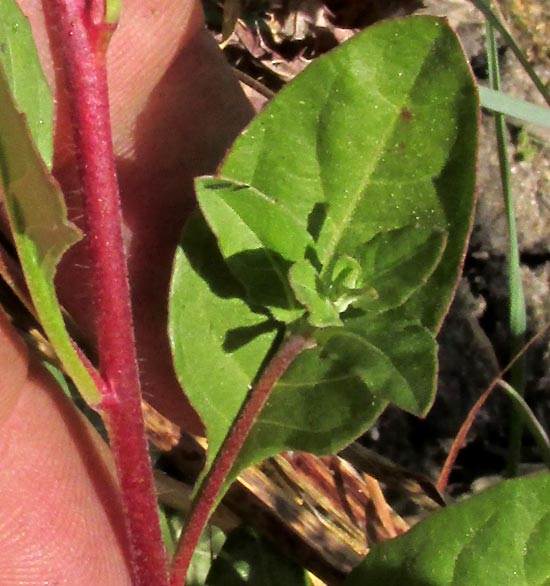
[
  {"x": 248, "y": 560},
  {"x": 395, "y": 264},
  {"x": 259, "y": 239},
  {"x": 501, "y": 536},
  {"x": 519, "y": 109},
  {"x": 305, "y": 282},
  {"x": 41, "y": 231},
  {"x": 26, "y": 80},
  {"x": 113, "y": 9}
]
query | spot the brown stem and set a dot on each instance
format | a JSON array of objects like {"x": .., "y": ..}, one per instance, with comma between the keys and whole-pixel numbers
[
  {"x": 225, "y": 458},
  {"x": 82, "y": 38}
]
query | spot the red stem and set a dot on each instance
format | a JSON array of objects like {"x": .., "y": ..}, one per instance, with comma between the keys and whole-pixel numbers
[
  {"x": 205, "y": 501},
  {"x": 82, "y": 38}
]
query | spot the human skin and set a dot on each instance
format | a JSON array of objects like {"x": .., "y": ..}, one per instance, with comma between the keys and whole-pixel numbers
[{"x": 175, "y": 109}]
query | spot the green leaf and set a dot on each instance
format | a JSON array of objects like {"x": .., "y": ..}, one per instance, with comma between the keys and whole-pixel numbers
[
  {"x": 501, "y": 536},
  {"x": 113, "y": 9},
  {"x": 394, "y": 265},
  {"x": 485, "y": 7},
  {"x": 26, "y": 80},
  {"x": 329, "y": 396},
  {"x": 41, "y": 231},
  {"x": 218, "y": 343},
  {"x": 379, "y": 134},
  {"x": 249, "y": 560},
  {"x": 259, "y": 238}
]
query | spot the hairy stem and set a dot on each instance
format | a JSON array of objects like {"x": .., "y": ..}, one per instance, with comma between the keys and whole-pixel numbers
[
  {"x": 82, "y": 35},
  {"x": 207, "y": 497}
]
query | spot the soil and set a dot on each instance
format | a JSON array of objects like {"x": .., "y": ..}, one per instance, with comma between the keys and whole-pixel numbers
[{"x": 273, "y": 41}]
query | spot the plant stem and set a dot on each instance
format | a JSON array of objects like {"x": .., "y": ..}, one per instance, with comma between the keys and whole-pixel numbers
[
  {"x": 83, "y": 39},
  {"x": 212, "y": 484}
]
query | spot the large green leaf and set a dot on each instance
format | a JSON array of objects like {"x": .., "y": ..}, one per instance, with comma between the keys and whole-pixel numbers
[
  {"x": 377, "y": 135},
  {"x": 249, "y": 560},
  {"x": 26, "y": 80},
  {"x": 501, "y": 536},
  {"x": 41, "y": 231}
]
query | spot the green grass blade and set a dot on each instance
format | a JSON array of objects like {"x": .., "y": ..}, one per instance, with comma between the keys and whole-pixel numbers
[
  {"x": 531, "y": 422},
  {"x": 485, "y": 8},
  {"x": 517, "y": 313},
  {"x": 519, "y": 109}
]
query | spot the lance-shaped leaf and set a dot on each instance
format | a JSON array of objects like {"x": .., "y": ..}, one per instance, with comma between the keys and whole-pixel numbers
[
  {"x": 259, "y": 239},
  {"x": 501, "y": 536},
  {"x": 41, "y": 231},
  {"x": 26, "y": 80},
  {"x": 379, "y": 134}
]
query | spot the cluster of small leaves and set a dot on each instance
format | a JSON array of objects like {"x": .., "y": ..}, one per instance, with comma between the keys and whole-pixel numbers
[{"x": 342, "y": 212}]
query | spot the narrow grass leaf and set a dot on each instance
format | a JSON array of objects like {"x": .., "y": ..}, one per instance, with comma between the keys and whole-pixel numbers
[
  {"x": 520, "y": 110},
  {"x": 484, "y": 7}
]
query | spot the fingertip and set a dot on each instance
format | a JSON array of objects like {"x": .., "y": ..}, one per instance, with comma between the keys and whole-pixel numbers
[{"x": 60, "y": 513}]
